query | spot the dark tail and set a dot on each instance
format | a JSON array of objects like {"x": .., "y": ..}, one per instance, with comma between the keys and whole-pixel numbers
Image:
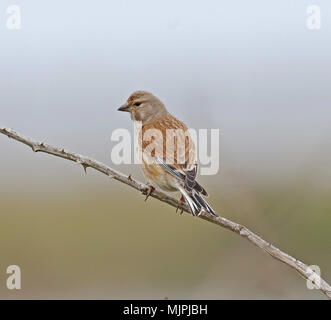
[{"x": 195, "y": 202}]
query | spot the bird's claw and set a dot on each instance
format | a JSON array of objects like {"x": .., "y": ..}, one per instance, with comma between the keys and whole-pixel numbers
[
  {"x": 149, "y": 191},
  {"x": 181, "y": 210},
  {"x": 180, "y": 201}
]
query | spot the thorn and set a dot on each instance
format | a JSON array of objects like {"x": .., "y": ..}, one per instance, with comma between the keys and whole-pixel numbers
[
  {"x": 129, "y": 177},
  {"x": 84, "y": 167},
  {"x": 42, "y": 144},
  {"x": 82, "y": 164},
  {"x": 62, "y": 150},
  {"x": 110, "y": 175}
]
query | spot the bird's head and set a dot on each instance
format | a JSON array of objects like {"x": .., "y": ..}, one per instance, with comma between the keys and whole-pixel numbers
[{"x": 144, "y": 107}]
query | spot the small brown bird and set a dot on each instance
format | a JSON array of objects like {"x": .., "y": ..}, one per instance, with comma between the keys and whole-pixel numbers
[{"x": 168, "y": 151}]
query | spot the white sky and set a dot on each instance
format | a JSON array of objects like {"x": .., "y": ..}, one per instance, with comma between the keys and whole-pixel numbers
[{"x": 250, "y": 68}]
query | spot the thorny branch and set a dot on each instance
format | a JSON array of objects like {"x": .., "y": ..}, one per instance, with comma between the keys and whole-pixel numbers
[{"x": 241, "y": 230}]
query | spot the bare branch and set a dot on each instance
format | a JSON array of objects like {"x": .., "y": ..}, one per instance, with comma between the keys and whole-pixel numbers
[{"x": 241, "y": 230}]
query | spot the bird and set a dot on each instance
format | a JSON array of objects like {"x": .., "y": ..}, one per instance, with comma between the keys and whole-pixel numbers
[{"x": 168, "y": 152}]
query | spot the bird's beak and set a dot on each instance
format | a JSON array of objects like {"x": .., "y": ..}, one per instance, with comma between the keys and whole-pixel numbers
[{"x": 125, "y": 107}]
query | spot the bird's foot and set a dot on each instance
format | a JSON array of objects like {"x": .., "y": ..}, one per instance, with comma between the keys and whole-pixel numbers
[
  {"x": 180, "y": 202},
  {"x": 149, "y": 191}
]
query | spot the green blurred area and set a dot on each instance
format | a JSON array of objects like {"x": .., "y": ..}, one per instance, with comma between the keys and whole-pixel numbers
[{"x": 86, "y": 236}]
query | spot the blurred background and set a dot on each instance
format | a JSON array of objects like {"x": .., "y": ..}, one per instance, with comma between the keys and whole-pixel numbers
[{"x": 250, "y": 68}]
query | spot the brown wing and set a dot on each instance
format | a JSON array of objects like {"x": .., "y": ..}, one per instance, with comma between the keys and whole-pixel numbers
[
  {"x": 178, "y": 148},
  {"x": 178, "y": 153}
]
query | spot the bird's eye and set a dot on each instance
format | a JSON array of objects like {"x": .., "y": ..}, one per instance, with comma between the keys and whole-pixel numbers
[{"x": 137, "y": 104}]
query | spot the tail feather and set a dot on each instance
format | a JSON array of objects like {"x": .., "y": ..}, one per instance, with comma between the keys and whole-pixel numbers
[
  {"x": 203, "y": 203},
  {"x": 194, "y": 206},
  {"x": 200, "y": 189},
  {"x": 195, "y": 202}
]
